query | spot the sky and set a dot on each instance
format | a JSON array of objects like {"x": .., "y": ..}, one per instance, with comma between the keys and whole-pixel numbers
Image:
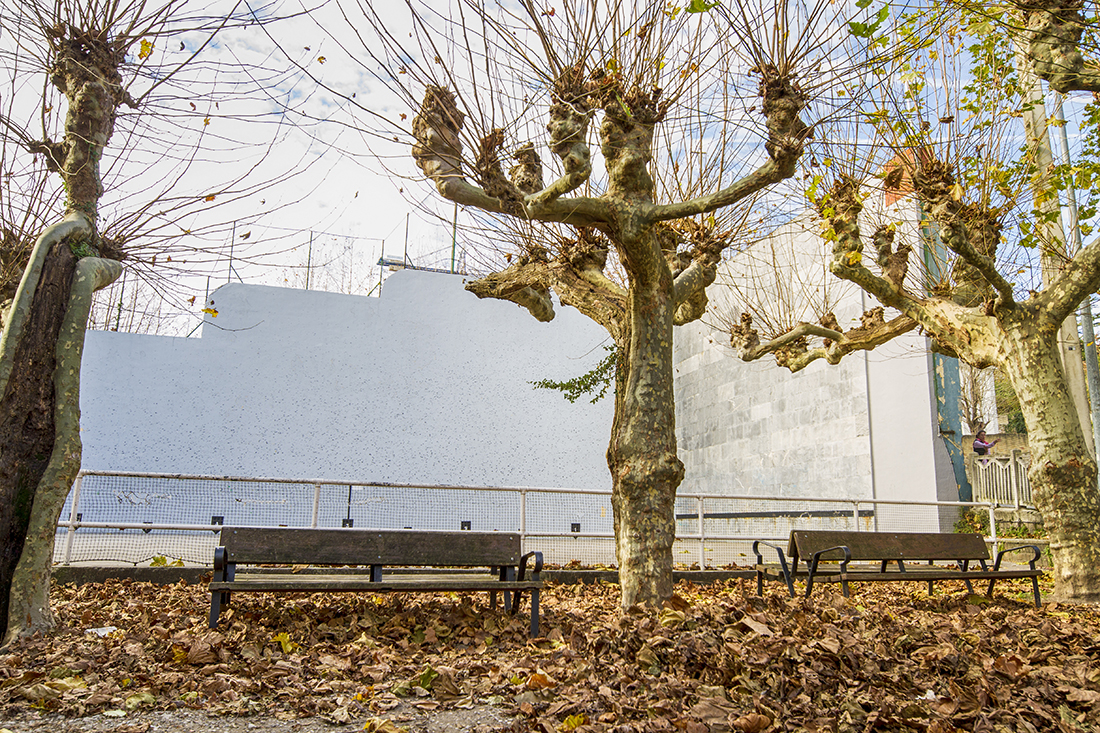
[{"x": 295, "y": 110}]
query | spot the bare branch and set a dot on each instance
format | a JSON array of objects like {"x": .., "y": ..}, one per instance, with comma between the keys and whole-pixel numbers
[
  {"x": 791, "y": 350},
  {"x": 787, "y": 133},
  {"x": 438, "y": 152}
]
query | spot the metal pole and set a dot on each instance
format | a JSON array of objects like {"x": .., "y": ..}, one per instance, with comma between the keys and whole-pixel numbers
[
  {"x": 855, "y": 514},
  {"x": 232, "y": 240},
  {"x": 309, "y": 259},
  {"x": 316, "y": 503},
  {"x": 1092, "y": 368},
  {"x": 72, "y": 520},
  {"x": 702, "y": 534},
  {"x": 454, "y": 237},
  {"x": 523, "y": 520}
]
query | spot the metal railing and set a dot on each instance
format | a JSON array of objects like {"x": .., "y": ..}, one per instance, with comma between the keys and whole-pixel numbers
[
  {"x": 1001, "y": 479},
  {"x": 136, "y": 517}
]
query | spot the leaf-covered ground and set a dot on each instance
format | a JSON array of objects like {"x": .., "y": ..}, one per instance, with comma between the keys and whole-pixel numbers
[{"x": 714, "y": 659}]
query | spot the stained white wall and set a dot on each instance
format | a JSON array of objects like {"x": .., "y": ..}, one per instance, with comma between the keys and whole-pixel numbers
[{"x": 424, "y": 384}]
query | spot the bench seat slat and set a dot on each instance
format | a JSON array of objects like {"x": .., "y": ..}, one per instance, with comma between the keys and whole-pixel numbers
[
  {"x": 889, "y": 546},
  {"x": 344, "y": 583},
  {"x": 295, "y": 546}
]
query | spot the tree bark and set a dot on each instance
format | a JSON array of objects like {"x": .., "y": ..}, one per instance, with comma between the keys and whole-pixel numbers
[
  {"x": 27, "y": 426},
  {"x": 29, "y": 606},
  {"x": 645, "y": 470},
  {"x": 1062, "y": 473}
]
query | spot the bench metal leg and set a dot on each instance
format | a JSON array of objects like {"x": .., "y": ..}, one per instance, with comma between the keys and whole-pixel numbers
[
  {"x": 215, "y": 608},
  {"x": 534, "y": 612},
  {"x": 508, "y": 573}
]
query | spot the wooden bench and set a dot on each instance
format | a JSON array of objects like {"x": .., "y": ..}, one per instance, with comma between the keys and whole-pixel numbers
[
  {"x": 450, "y": 555},
  {"x": 913, "y": 553}
]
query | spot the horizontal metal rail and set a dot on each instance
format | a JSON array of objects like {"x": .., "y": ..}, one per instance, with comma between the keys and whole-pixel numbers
[{"x": 842, "y": 508}]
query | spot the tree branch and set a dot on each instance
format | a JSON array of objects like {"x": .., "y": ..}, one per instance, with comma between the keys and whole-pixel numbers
[
  {"x": 790, "y": 349},
  {"x": 1079, "y": 278},
  {"x": 568, "y": 127},
  {"x": 438, "y": 152},
  {"x": 523, "y": 283},
  {"x": 575, "y": 277},
  {"x": 961, "y": 224},
  {"x": 1055, "y": 28},
  {"x": 783, "y": 102}
]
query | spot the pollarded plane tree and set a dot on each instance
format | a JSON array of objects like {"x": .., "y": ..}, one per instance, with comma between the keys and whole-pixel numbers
[
  {"x": 108, "y": 116},
  {"x": 951, "y": 126},
  {"x": 695, "y": 111}
]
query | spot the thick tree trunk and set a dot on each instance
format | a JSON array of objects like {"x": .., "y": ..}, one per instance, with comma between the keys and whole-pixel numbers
[
  {"x": 645, "y": 470},
  {"x": 29, "y": 605},
  {"x": 1062, "y": 473},
  {"x": 27, "y": 412}
]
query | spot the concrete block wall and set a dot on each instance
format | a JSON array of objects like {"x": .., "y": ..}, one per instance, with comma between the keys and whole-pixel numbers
[{"x": 755, "y": 429}]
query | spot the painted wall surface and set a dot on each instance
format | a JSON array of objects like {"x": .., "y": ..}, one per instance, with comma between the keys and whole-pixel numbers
[{"x": 426, "y": 384}]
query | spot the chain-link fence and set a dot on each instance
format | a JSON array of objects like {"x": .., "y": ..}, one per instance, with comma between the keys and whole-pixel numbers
[{"x": 137, "y": 518}]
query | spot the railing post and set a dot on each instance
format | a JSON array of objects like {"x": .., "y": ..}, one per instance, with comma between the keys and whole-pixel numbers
[
  {"x": 702, "y": 534},
  {"x": 993, "y": 526},
  {"x": 67, "y": 558},
  {"x": 316, "y": 504},
  {"x": 523, "y": 520},
  {"x": 855, "y": 515},
  {"x": 1015, "y": 473}
]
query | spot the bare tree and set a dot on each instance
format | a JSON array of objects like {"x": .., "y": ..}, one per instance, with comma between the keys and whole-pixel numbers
[
  {"x": 697, "y": 113},
  {"x": 102, "y": 101},
  {"x": 953, "y": 145}
]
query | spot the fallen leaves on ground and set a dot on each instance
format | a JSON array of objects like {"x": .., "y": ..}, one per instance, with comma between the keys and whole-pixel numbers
[{"x": 715, "y": 658}]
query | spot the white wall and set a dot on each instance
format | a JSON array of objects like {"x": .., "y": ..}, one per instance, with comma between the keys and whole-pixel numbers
[{"x": 425, "y": 384}]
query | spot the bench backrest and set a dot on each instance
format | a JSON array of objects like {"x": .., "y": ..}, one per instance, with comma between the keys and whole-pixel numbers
[
  {"x": 295, "y": 546},
  {"x": 890, "y": 546}
]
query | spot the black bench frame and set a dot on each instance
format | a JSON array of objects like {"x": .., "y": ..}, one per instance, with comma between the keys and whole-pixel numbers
[
  {"x": 449, "y": 555},
  {"x": 886, "y": 548}
]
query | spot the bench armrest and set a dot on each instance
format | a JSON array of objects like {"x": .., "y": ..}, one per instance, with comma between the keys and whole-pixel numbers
[
  {"x": 843, "y": 563},
  {"x": 535, "y": 570},
  {"x": 219, "y": 563},
  {"x": 778, "y": 551},
  {"x": 760, "y": 566},
  {"x": 1035, "y": 553}
]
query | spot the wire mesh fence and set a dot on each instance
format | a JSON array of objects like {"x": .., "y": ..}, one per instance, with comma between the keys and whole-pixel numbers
[{"x": 132, "y": 518}]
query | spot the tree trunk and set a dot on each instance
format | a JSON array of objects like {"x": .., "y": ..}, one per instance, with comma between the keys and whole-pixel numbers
[
  {"x": 1062, "y": 473},
  {"x": 29, "y": 604},
  {"x": 645, "y": 470},
  {"x": 27, "y": 412}
]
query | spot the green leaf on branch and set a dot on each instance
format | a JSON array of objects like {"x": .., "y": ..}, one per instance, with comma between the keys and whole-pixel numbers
[
  {"x": 700, "y": 6},
  {"x": 595, "y": 381}
]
